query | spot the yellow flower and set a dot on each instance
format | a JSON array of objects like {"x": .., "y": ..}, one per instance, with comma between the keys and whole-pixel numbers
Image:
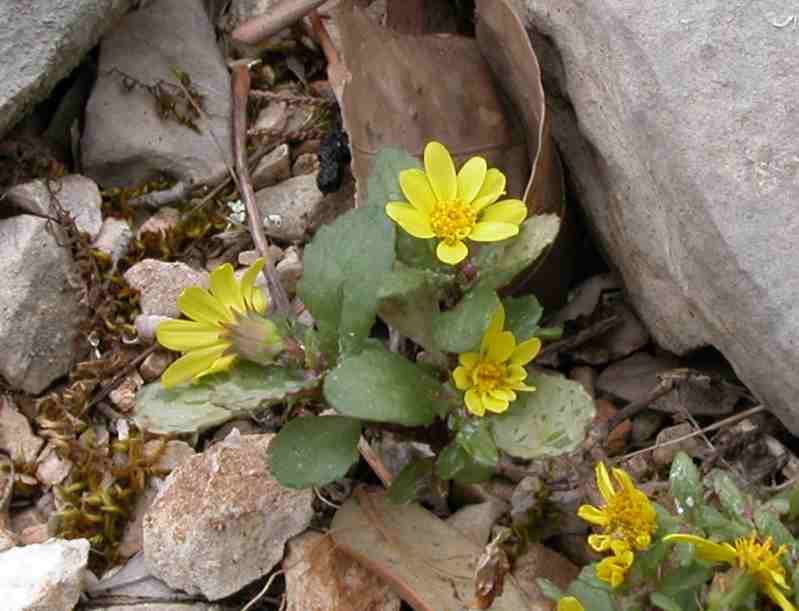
[
  {"x": 570, "y": 603},
  {"x": 613, "y": 569},
  {"x": 491, "y": 377},
  {"x": 628, "y": 516},
  {"x": 749, "y": 554},
  {"x": 207, "y": 341},
  {"x": 453, "y": 207}
]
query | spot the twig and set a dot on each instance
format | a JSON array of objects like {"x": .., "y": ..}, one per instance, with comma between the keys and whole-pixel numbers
[
  {"x": 633, "y": 409},
  {"x": 289, "y": 98},
  {"x": 549, "y": 355},
  {"x": 241, "y": 89},
  {"x": 156, "y": 199},
  {"x": 716, "y": 425},
  {"x": 263, "y": 591},
  {"x": 374, "y": 461},
  {"x": 319, "y": 30},
  {"x": 117, "y": 379},
  {"x": 281, "y": 16}
]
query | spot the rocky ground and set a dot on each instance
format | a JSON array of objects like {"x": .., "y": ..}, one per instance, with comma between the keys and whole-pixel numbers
[{"x": 679, "y": 320}]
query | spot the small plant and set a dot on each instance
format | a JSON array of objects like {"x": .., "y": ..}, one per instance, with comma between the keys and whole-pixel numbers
[
  {"x": 719, "y": 550},
  {"x": 426, "y": 253}
]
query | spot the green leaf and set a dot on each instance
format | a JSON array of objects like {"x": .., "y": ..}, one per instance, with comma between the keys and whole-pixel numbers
[
  {"x": 380, "y": 386},
  {"x": 549, "y": 589},
  {"x": 522, "y": 315},
  {"x": 314, "y": 450},
  {"x": 213, "y": 400},
  {"x": 408, "y": 301},
  {"x": 461, "y": 328},
  {"x": 451, "y": 460},
  {"x": 592, "y": 592},
  {"x": 731, "y": 498},
  {"x": 476, "y": 439},
  {"x": 549, "y": 334},
  {"x": 500, "y": 263},
  {"x": 661, "y": 601},
  {"x": 768, "y": 524},
  {"x": 473, "y": 473},
  {"x": 719, "y": 527},
  {"x": 407, "y": 485},
  {"x": 686, "y": 485},
  {"x": 383, "y": 187},
  {"x": 344, "y": 268},
  {"x": 550, "y": 421},
  {"x": 683, "y": 578}
]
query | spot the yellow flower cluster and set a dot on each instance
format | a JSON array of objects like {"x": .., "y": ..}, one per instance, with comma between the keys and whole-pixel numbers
[
  {"x": 627, "y": 520},
  {"x": 749, "y": 554}
]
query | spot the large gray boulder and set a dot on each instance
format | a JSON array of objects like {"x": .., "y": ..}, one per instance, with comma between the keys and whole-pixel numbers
[
  {"x": 678, "y": 123},
  {"x": 41, "y": 42},
  {"x": 126, "y": 142},
  {"x": 39, "y": 302}
]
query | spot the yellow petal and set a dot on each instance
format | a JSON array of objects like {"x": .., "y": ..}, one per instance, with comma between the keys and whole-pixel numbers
[
  {"x": 469, "y": 359},
  {"x": 507, "y": 211},
  {"x": 500, "y": 347},
  {"x": 526, "y": 351},
  {"x": 248, "y": 289},
  {"x": 603, "y": 481},
  {"x": 493, "y": 232},
  {"x": 707, "y": 550},
  {"x": 451, "y": 254},
  {"x": 474, "y": 402},
  {"x": 225, "y": 287},
  {"x": 200, "y": 305},
  {"x": 440, "y": 171},
  {"x": 461, "y": 377},
  {"x": 492, "y": 404},
  {"x": 570, "y": 603},
  {"x": 779, "y": 599},
  {"x": 221, "y": 364},
  {"x": 191, "y": 364},
  {"x": 516, "y": 373},
  {"x": 624, "y": 480},
  {"x": 522, "y": 387},
  {"x": 599, "y": 543},
  {"x": 410, "y": 219},
  {"x": 504, "y": 394},
  {"x": 417, "y": 189},
  {"x": 185, "y": 335},
  {"x": 258, "y": 300},
  {"x": 470, "y": 179},
  {"x": 592, "y": 514},
  {"x": 493, "y": 188},
  {"x": 497, "y": 321}
]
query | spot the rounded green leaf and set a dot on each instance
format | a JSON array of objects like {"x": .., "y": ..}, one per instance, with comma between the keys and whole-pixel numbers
[
  {"x": 314, "y": 450},
  {"x": 182, "y": 409},
  {"x": 410, "y": 481},
  {"x": 686, "y": 485},
  {"x": 461, "y": 328},
  {"x": 522, "y": 315},
  {"x": 380, "y": 386},
  {"x": 550, "y": 421}
]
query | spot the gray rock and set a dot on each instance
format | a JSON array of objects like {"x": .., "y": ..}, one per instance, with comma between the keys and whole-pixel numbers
[
  {"x": 161, "y": 222},
  {"x": 41, "y": 42},
  {"x": 52, "y": 469},
  {"x": 16, "y": 437},
  {"x": 272, "y": 118},
  {"x": 39, "y": 308},
  {"x": 173, "y": 606},
  {"x": 272, "y": 168},
  {"x": 161, "y": 283},
  {"x": 75, "y": 194},
  {"x": 234, "y": 520},
  {"x": 155, "y": 364},
  {"x": 541, "y": 562},
  {"x": 114, "y": 238},
  {"x": 664, "y": 455},
  {"x": 289, "y": 269},
  {"x": 476, "y": 521},
  {"x": 682, "y": 147},
  {"x": 635, "y": 377},
  {"x": 307, "y": 163},
  {"x": 146, "y": 324},
  {"x": 44, "y": 577},
  {"x": 291, "y": 209},
  {"x": 125, "y": 142}
]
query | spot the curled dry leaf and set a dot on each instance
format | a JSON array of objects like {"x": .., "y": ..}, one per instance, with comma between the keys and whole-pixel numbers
[{"x": 404, "y": 91}]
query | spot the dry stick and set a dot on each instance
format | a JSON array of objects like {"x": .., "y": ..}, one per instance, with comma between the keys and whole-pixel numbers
[
  {"x": 281, "y": 16},
  {"x": 552, "y": 351},
  {"x": 117, "y": 379},
  {"x": 241, "y": 90},
  {"x": 263, "y": 591},
  {"x": 374, "y": 461},
  {"x": 717, "y": 425},
  {"x": 633, "y": 409}
]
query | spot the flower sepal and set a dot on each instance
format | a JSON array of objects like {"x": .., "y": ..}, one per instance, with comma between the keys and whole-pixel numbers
[{"x": 256, "y": 338}]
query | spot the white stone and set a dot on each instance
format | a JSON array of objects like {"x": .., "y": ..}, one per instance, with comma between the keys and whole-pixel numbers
[{"x": 161, "y": 283}]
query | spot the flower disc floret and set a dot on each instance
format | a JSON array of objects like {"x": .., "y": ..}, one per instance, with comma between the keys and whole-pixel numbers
[
  {"x": 751, "y": 555},
  {"x": 453, "y": 207},
  {"x": 492, "y": 376},
  {"x": 206, "y": 339}
]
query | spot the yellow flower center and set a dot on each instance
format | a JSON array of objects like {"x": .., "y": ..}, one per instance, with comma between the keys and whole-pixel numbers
[
  {"x": 630, "y": 518},
  {"x": 452, "y": 221},
  {"x": 488, "y": 376},
  {"x": 758, "y": 559}
]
